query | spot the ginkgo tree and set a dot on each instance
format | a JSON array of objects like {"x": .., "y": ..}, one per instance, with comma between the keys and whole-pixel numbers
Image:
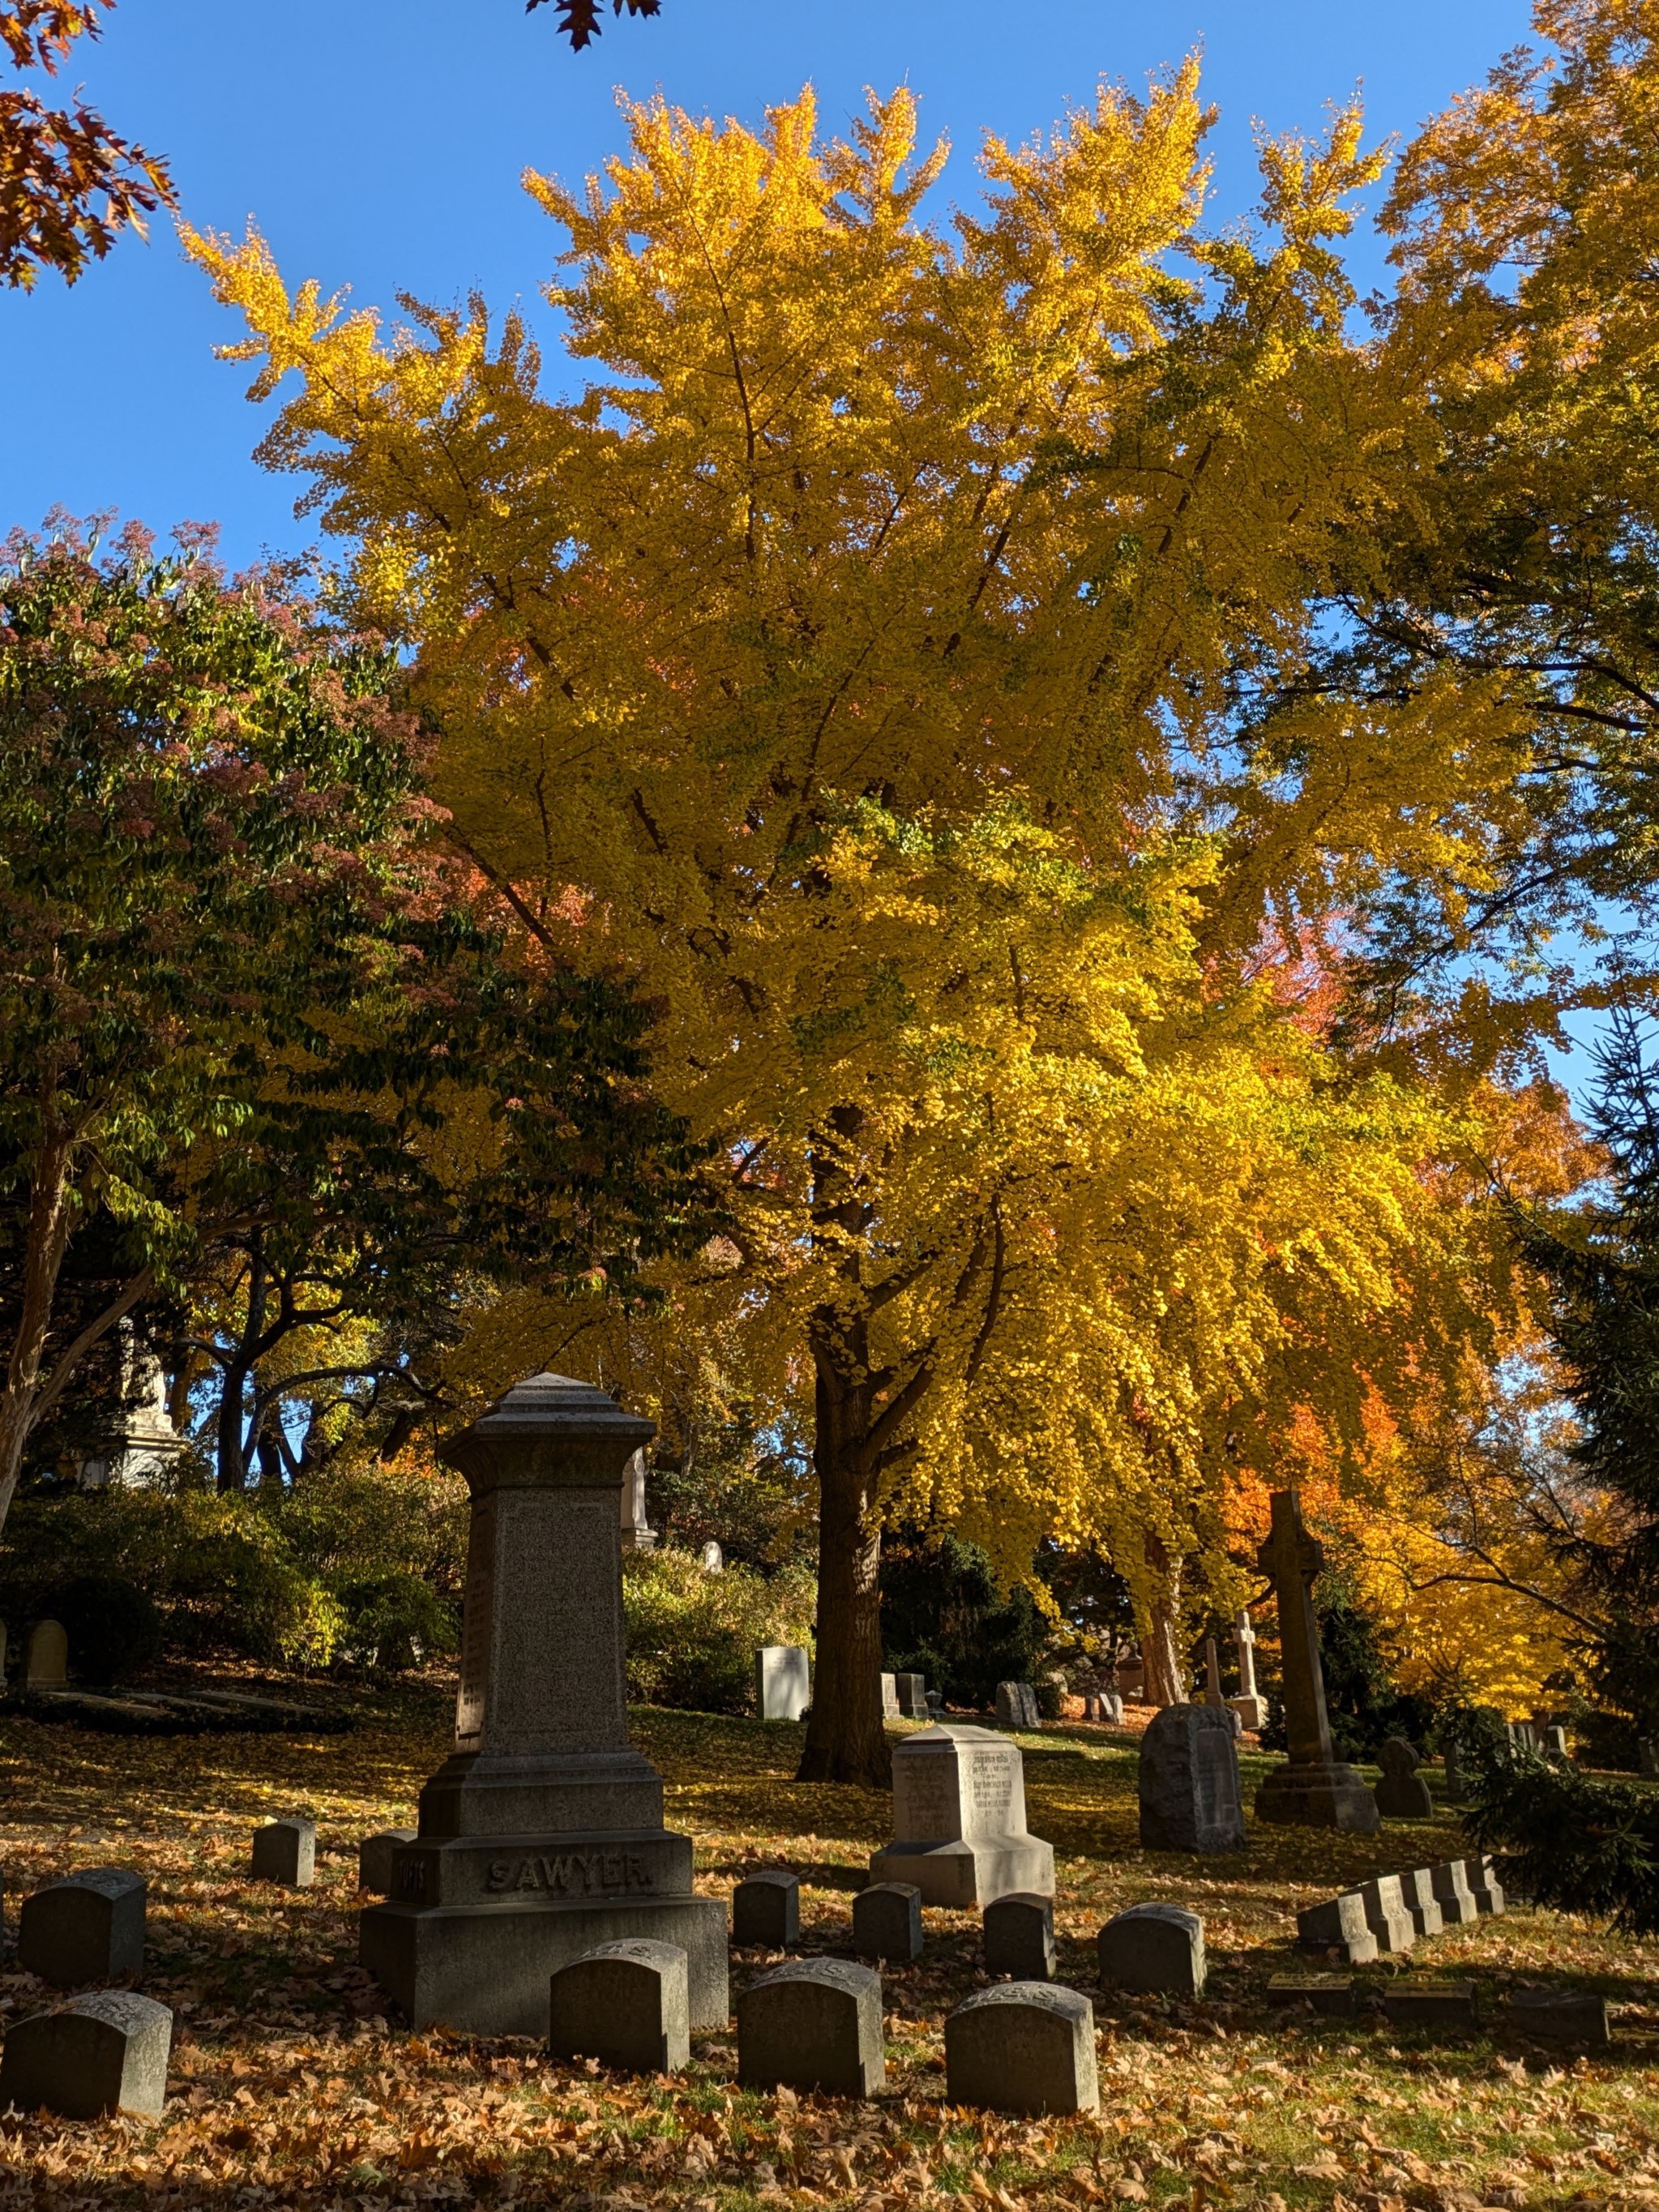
[{"x": 856, "y": 666}]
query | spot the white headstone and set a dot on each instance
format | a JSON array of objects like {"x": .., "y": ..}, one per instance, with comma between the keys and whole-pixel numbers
[
  {"x": 890, "y": 1703},
  {"x": 959, "y": 1830},
  {"x": 783, "y": 1682},
  {"x": 637, "y": 1535},
  {"x": 1249, "y": 1705}
]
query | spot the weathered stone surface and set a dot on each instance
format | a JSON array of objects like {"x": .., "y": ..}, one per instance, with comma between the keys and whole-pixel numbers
[
  {"x": 1023, "y": 2047},
  {"x": 541, "y": 1837},
  {"x": 1417, "y": 1895},
  {"x": 89, "y": 1926},
  {"x": 813, "y": 2024},
  {"x": 1249, "y": 1705},
  {"x": 286, "y": 1851},
  {"x": 1560, "y": 2016},
  {"x": 887, "y": 1922},
  {"x": 783, "y": 1682},
  {"x": 1385, "y": 1913},
  {"x": 1153, "y": 1946},
  {"x": 1555, "y": 1741},
  {"x": 627, "y": 2004},
  {"x": 106, "y": 2052},
  {"x": 766, "y": 1910},
  {"x": 1016, "y": 1706},
  {"x": 890, "y": 1703},
  {"x": 1327, "y": 1993},
  {"x": 375, "y": 1868},
  {"x": 1018, "y": 1937},
  {"x": 1339, "y": 1924},
  {"x": 1483, "y": 1885},
  {"x": 47, "y": 1665},
  {"x": 636, "y": 1534},
  {"x": 1189, "y": 1776},
  {"x": 959, "y": 1819},
  {"x": 1314, "y": 1789},
  {"x": 1402, "y": 1794},
  {"x": 1452, "y": 1893},
  {"x": 912, "y": 1691},
  {"x": 1430, "y": 2004}
]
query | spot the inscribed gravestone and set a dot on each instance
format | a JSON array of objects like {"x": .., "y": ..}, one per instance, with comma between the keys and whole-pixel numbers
[
  {"x": 912, "y": 1696},
  {"x": 1189, "y": 1782},
  {"x": 48, "y": 1659},
  {"x": 1402, "y": 1794},
  {"x": 1314, "y": 1789},
  {"x": 959, "y": 1819},
  {"x": 1017, "y": 1706},
  {"x": 783, "y": 1682},
  {"x": 542, "y": 1836}
]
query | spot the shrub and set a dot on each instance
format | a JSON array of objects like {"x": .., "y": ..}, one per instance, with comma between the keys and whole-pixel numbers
[
  {"x": 692, "y": 1636},
  {"x": 114, "y": 1630},
  {"x": 1580, "y": 1843},
  {"x": 943, "y": 1615},
  {"x": 394, "y": 1621}
]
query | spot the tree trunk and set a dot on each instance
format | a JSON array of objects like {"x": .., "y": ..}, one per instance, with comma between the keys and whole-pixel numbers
[
  {"x": 846, "y": 1740},
  {"x": 1163, "y": 1683}
]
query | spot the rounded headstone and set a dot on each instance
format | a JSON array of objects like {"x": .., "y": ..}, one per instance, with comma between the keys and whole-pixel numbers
[
  {"x": 626, "y": 2003},
  {"x": 1189, "y": 1782},
  {"x": 1018, "y": 1933},
  {"x": 887, "y": 1922},
  {"x": 374, "y": 1860},
  {"x": 1402, "y": 1794},
  {"x": 766, "y": 1909},
  {"x": 813, "y": 2024},
  {"x": 106, "y": 2052},
  {"x": 89, "y": 1926},
  {"x": 1023, "y": 2047},
  {"x": 1154, "y": 1947},
  {"x": 285, "y": 1851}
]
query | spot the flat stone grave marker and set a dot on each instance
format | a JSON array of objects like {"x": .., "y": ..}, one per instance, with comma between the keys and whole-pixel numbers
[
  {"x": 766, "y": 1909},
  {"x": 89, "y": 1926},
  {"x": 626, "y": 2003},
  {"x": 47, "y": 1665},
  {"x": 1402, "y": 1794},
  {"x": 813, "y": 2024},
  {"x": 1018, "y": 1936},
  {"x": 1016, "y": 1706},
  {"x": 375, "y": 1872},
  {"x": 1574, "y": 2016},
  {"x": 887, "y": 1922},
  {"x": 783, "y": 1682},
  {"x": 104, "y": 2052},
  {"x": 1430, "y": 2004},
  {"x": 959, "y": 1830},
  {"x": 1155, "y": 1947},
  {"x": 1453, "y": 1895},
  {"x": 1385, "y": 1913},
  {"x": 1339, "y": 1924},
  {"x": 1190, "y": 1799},
  {"x": 285, "y": 1851},
  {"x": 1332, "y": 1994},
  {"x": 1314, "y": 1789},
  {"x": 1417, "y": 1895},
  {"x": 541, "y": 1836},
  {"x": 1023, "y": 2047}
]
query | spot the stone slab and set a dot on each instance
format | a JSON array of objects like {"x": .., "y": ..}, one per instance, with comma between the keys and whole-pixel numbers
[
  {"x": 1153, "y": 1948},
  {"x": 1560, "y": 2016},
  {"x": 106, "y": 2052},
  {"x": 1189, "y": 1784},
  {"x": 488, "y": 1967},
  {"x": 766, "y": 1910},
  {"x": 1023, "y": 2047},
  {"x": 89, "y": 1926},
  {"x": 887, "y": 1922},
  {"x": 1452, "y": 1893},
  {"x": 813, "y": 2024},
  {"x": 1333, "y": 1993},
  {"x": 1385, "y": 1913},
  {"x": 1416, "y": 1894},
  {"x": 1016, "y": 1706},
  {"x": 965, "y": 1874},
  {"x": 1430, "y": 2004},
  {"x": 783, "y": 1682},
  {"x": 627, "y": 2004},
  {"x": 1483, "y": 1886},
  {"x": 1017, "y": 1933},
  {"x": 912, "y": 1692},
  {"x": 375, "y": 1875},
  {"x": 285, "y": 1851},
  {"x": 1339, "y": 1924}
]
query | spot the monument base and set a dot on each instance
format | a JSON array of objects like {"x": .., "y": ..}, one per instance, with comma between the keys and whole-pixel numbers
[
  {"x": 1331, "y": 1796},
  {"x": 484, "y": 1969},
  {"x": 968, "y": 1873}
]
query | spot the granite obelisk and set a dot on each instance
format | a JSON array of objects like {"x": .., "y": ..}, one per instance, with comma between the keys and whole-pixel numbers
[{"x": 1314, "y": 1789}]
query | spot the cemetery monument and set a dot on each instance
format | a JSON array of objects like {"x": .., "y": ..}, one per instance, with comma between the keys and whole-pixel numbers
[
  {"x": 959, "y": 1828},
  {"x": 1314, "y": 1789},
  {"x": 1190, "y": 1799},
  {"x": 1249, "y": 1705}
]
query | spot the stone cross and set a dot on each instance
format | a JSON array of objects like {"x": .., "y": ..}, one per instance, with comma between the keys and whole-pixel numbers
[
  {"x": 1315, "y": 1789},
  {"x": 1249, "y": 1705}
]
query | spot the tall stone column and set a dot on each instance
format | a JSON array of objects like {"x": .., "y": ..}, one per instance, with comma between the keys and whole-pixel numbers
[
  {"x": 542, "y": 1833},
  {"x": 1315, "y": 1789}
]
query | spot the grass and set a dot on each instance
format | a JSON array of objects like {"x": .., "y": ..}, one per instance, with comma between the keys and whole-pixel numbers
[{"x": 290, "y": 2088}]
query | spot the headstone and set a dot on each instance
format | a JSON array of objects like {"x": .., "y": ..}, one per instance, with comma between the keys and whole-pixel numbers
[
  {"x": 1214, "y": 1693},
  {"x": 1430, "y": 2004},
  {"x": 1327, "y": 1993},
  {"x": 783, "y": 1682},
  {"x": 1016, "y": 1706},
  {"x": 541, "y": 1837},
  {"x": 1452, "y": 1893},
  {"x": 813, "y": 2024},
  {"x": 1153, "y": 1946},
  {"x": 1385, "y": 1913},
  {"x": 1339, "y": 1924},
  {"x": 959, "y": 1828},
  {"x": 286, "y": 1851},
  {"x": 1483, "y": 1884},
  {"x": 712, "y": 1559},
  {"x": 766, "y": 1910},
  {"x": 106, "y": 2052},
  {"x": 1314, "y": 1789},
  {"x": 637, "y": 1533},
  {"x": 1250, "y": 1706},
  {"x": 89, "y": 1926},
  {"x": 1402, "y": 1794},
  {"x": 1022, "y": 2047},
  {"x": 1650, "y": 1757},
  {"x": 890, "y": 1703},
  {"x": 1457, "y": 1784},
  {"x": 1560, "y": 2016},
  {"x": 887, "y": 1922},
  {"x": 1018, "y": 1936},
  {"x": 374, "y": 1866},
  {"x": 1417, "y": 1895},
  {"x": 1111, "y": 1707},
  {"x": 912, "y": 1696},
  {"x": 625, "y": 2003},
  {"x": 1189, "y": 1778},
  {"x": 935, "y": 1704},
  {"x": 1555, "y": 1743},
  {"x": 1523, "y": 1735},
  {"x": 47, "y": 1666}
]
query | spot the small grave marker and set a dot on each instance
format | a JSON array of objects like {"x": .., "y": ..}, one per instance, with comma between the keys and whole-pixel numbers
[
  {"x": 285, "y": 1851},
  {"x": 626, "y": 2003},
  {"x": 1402, "y": 1794},
  {"x": 1153, "y": 1946},
  {"x": 912, "y": 1696},
  {"x": 1430, "y": 2004},
  {"x": 1484, "y": 1885},
  {"x": 1385, "y": 1913},
  {"x": 1023, "y": 2047},
  {"x": 1452, "y": 1894},
  {"x": 813, "y": 2024},
  {"x": 106, "y": 2052},
  {"x": 374, "y": 1860},
  {"x": 89, "y": 1926},
  {"x": 1016, "y": 1706},
  {"x": 1560, "y": 2016},
  {"x": 887, "y": 1922},
  {"x": 47, "y": 1665},
  {"x": 1018, "y": 1937},
  {"x": 783, "y": 1682},
  {"x": 1417, "y": 1895},
  {"x": 1339, "y": 1924},
  {"x": 766, "y": 1909},
  {"x": 1332, "y": 1994}
]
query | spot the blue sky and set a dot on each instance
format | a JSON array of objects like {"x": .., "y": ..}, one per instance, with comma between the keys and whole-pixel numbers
[{"x": 379, "y": 146}]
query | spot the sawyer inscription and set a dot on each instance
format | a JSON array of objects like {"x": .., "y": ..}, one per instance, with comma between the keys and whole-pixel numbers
[{"x": 586, "y": 1873}]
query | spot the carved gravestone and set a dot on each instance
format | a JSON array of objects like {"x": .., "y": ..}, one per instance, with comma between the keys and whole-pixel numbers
[
  {"x": 1402, "y": 1794},
  {"x": 783, "y": 1682},
  {"x": 1189, "y": 1793},
  {"x": 1314, "y": 1789},
  {"x": 959, "y": 1819},
  {"x": 541, "y": 1836},
  {"x": 1249, "y": 1705},
  {"x": 1016, "y": 1706}
]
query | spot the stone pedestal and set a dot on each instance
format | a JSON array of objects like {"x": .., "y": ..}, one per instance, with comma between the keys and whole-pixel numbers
[
  {"x": 541, "y": 1836},
  {"x": 1316, "y": 1790},
  {"x": 959, "y": 1819}
]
